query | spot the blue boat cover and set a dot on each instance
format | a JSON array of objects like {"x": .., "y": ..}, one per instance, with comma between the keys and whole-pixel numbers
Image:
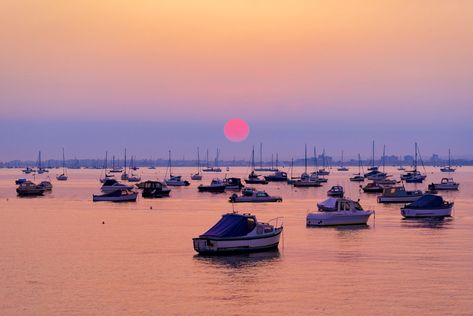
[
  {"x": 231, "y": 225},
  {"x": 427, "y": 201}
]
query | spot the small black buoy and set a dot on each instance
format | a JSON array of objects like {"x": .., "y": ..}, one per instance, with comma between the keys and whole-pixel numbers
[
  {"x": 103, "y": 222},
  {"x": 150, "y": 207}
]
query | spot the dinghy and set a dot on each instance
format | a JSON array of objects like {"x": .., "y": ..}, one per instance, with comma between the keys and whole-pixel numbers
[{"x": 338, "y": 211}]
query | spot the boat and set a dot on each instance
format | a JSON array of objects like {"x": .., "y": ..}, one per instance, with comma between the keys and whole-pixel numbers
[
  {"x": 261, "y": 168},
  {"x": 338, "y": 211},
  {"x": 115, "y": 169},
  {"x": 233, "y": 184},
  {"x": 238, "y": 233},
  {"x": 116, "y": 196},
  {"x": 373, "y": 187},
  {"x": 198, "y": 175},
  {"x": 358, "y": 177},
  {"x": 277, "y": 176},
  {"x": 28, "y": 170},
  {"x": 373, "y": 167},
  {"x": 254, "y": 178},
  {"x": 251, "y": 195},
  {"x": 124, "y": 176},
  {"x": 216, "y": 186},
  {"x": 342, "y": 167},
  {"x": 46, "y": 185},
  {"x": 445, "y": 184},
  {"x": 323, "y": 171},
  {"x": 63, "y": 175},
  {"x": 399, "y": 194},
  {"x": 154, "y": 189},
  {"x": 336, "y": 191},
  {"x": 414, "y": 176},
  {"x": 448, "y": 168},
  {"x": 429, "y": 205},
  {"x": 20, "y": 181},
  {"x": 111, "y": 185},
  {"x": 305, "y": 179},
  {"x": 212, "y": 169},
  {"x": 134, "y": 178},
  {"x": 29, "y": 188},
  {"x": 174, "y": 181},
  {"x": 40, "y": 169}
]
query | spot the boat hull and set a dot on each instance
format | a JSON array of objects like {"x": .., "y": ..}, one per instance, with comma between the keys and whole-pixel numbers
[
  {"x": 215, "y": 246},
  {"x": 212, "y": 189},
  {"x": 249, "y": 199},
  {"x": 444, "y": 187},
  {"x": 404, "y": 199},
  {"x": 127, "y": 198},
  {"x": 337, "y": 218},
  {"x": 112, "y": 188},
  {"x": 420, "y": 213}
]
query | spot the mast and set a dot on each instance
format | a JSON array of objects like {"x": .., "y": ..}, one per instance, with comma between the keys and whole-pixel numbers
[
  {"x": 124, "y": 170},
  {"x": 63, "y": 161},
  {"x": 277, "y": 160},
  {"x": 198, "y": 160},
  {"x": 305, "y": 159},
  {"x": 272, "y": 161},
  {"x": 316, "y": 160},
  {"x": 39, "y": 160},
  {"x": 106, "y": 161},
  {"x": 341, "y": 165},
  {"x": 372, "y": 157},
  {"x": 415, "y": 158},
  {"x": 449, "y": 160},
  {"x": 292, "y": 166},
  {"x": 208, "y": 158},
  {"x": 261, "y": 155},
  {"x": 384, "y": 157},
  {"x": 169, "y": 164},
  {"x": 253, "y": 159}
]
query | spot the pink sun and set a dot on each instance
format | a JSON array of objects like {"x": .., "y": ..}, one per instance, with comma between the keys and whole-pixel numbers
[{"x": 236, "y": 130}]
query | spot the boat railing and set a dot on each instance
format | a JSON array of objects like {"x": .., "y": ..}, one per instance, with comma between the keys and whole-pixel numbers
[{"x": 276, "y": 221}]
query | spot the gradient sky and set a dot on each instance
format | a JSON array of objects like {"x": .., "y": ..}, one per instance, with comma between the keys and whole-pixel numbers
[{"x": 96, "y": 75}]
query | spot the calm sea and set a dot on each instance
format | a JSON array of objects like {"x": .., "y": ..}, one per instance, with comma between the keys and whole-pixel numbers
[{"x": 57, "y": 258}]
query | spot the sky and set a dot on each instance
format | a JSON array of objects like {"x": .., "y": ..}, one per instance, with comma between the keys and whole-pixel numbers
[{"x": 155, "y": 75}]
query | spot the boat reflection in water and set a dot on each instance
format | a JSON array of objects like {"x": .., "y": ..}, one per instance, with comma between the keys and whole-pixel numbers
[{"x": 241, "y": 260}]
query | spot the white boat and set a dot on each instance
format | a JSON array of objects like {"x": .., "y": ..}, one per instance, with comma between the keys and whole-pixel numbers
[
  {"x": 428, "y": 205},
  {"x": 446, "y": 184},
  {"x": 414, "y": 176},
  {"x": 212, "y": 169},
  {"x": 63, "y": 176},
  {"x": 116, "y": 196},
  {"x": 174, "y": 181},
  {"x": 238, "y": 233},
  {"x": 338, "y": 211},
  {"x": 399, "y": 194},
  {"x": 312, "y": 180},
  {"x": 357, "y": 178},
  {"x": 111, "y": 185},
  {"x": 198, "y": 174},
  {"x": 251, "y": 195},
  {"x": 448, "y": 168},
  {"x": 342, "y": 167}
]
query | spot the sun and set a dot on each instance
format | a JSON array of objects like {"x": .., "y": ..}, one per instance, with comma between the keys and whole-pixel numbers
[{"x": 236, "y": 130}]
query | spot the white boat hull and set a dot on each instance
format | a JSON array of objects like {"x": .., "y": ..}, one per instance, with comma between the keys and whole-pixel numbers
[
  {"x": 338, "y": 218},
  {"x": 393, "y": 199},
  {"x": 416, "y": 213},
  {"x": 239, "y": 244},
  {"x": 108, "y": 189}
]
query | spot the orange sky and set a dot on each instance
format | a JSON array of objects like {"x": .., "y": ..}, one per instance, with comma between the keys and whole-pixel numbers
[{"x": 85, "y": 58}]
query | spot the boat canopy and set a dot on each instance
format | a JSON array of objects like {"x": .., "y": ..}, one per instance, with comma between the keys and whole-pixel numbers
[
  {"x": 231, "y": 225},
  {"x": 330, "y": 203},
  {"x": 427, "y": 201}
]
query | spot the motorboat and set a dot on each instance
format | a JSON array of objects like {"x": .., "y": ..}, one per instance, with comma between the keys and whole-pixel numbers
[
  {"x": 61, "y": 177},
  {"x": 212, "y": 169},
  {"x": 233, "y": 184},
  {"x": 357, "y": 178},
  {"x": 29, "y": 188},
  {"x": 376, "y": 175},
  {"x": 216, "y": 186},
  {"x": 176, "y": 181},
  {"x": 254, "y": 178},
  {"x": 429, "y": 205},
  {"x": 413, "y": 176},
  {"x": 399, "y": 194},
  {"x": 373, "y": 187},
  {"x": 251, "y": 195},
  {"x": 323, "y": 172},
  {"x": 306, "y": 180},
  {"x": 338, "y": 211},
  {"x": 336, "y": 191},
  {"x": 277, "y": 176},
  {"x": 134, "y": 178},
  {"x": 238, "y": 233},
  {"x": 445, "y": 184},
  {"x": 116, "y": 196},
  {"x": 343, "y": 169},
  {"x": 387, "y": 181},
  {"x": 196, "y": 176},
  {"x": 111, "y": 185},
  {"x": 154, "y": 189},
  {"x": 46, "y": 185}
]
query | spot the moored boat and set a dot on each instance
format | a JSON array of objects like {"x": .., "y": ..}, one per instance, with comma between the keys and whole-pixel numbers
[
  {"x": 233, "y": 184},
  {"x": 336, "y": 191},
  {"x": 238, "y": 233},
  {"x": 110, "y": 185},
  {"x": 154, "y": 189},
  {"x": 446, "y": 184},
  {"x": 116, "y": 196},
  {"x": 429, "y": 205},
  {"x": 251, "y": 195},
  {"x": 338, "y": 211},
  {"x": 216, "y": 186},
  {"x": 399, "y": 194},
  {"x": 277, "y": 176},
  {"x": 46, "y": 185},
  {"x": 29, "y": 188}
]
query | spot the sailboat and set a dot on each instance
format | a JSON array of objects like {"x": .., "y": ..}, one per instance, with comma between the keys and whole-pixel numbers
[
  {"x": 115, "y": 169},
  {"x": 133, "y": 177},
  {"x": 449, "y": 167},
  {"x": 342, "y": 167},
  {"x": 63, "y": 176},
  {"x": 401, "y": 167},
  {"x": 212, "y": 169},
  {"x": 323, "y": 171},
  {"x": 175, "y": 181},
  {"x": 261, "y": 168},
  {"x": 107, "y": 175},
  {"x": 358, "y": 177},
  {"x": 41, "y": 170},
  {"x": 373, "y": 166},
  {"x": 414, "y": 176},
  {"x": 124, "y": 174},
  {"x": 198, "y": 175},
  {"x": 254, "y": 178}
]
